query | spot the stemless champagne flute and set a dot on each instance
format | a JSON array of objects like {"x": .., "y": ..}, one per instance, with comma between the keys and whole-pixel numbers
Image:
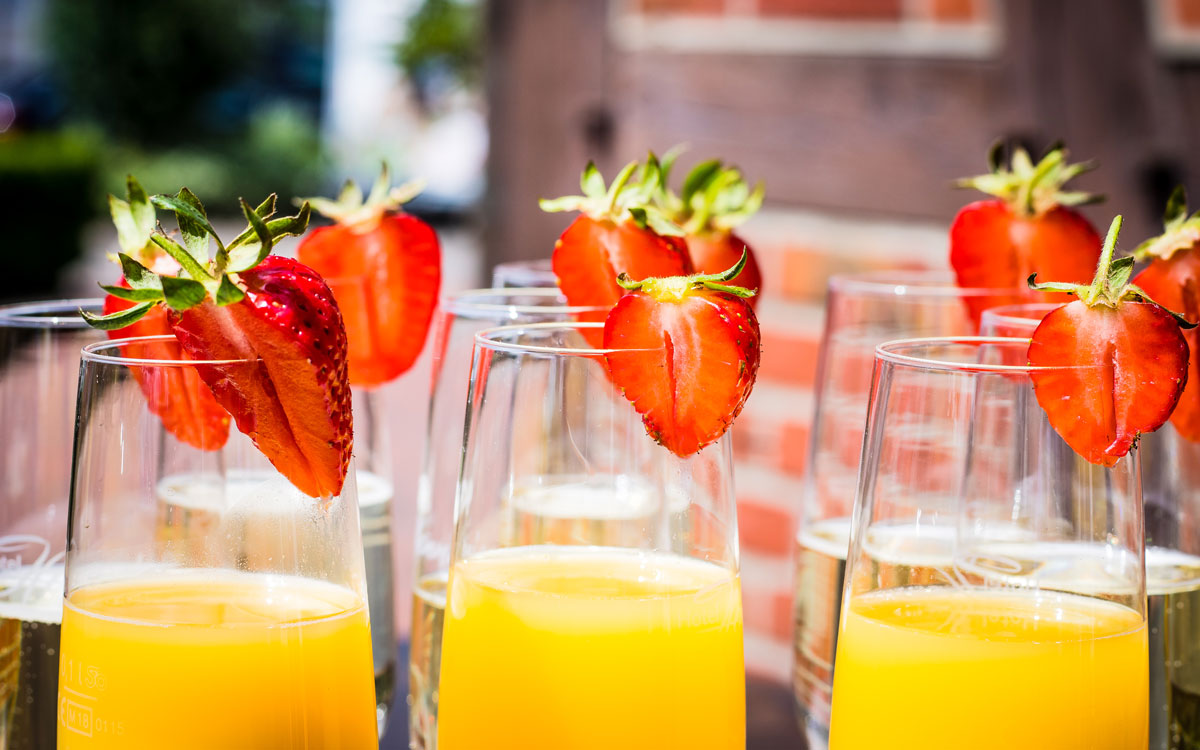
[
  {"x": 459, "y": 318},
  {"x": 1171, "y": 496},
  {"x": 995, "y": 588},
  {"x": 524, "y": 274},
  {"x": 249, "y": 630},
  {"x": 634, "y": 642},
  {"x": 861, "y": 311},
  {"x": 39, "y": 373}
]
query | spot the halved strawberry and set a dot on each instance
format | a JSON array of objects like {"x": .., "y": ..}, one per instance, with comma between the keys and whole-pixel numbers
[
  {"x": 1173, "y": 279},
  {"x": 1030, "y": 227},
  {"x": 686, "y": 354},
  {"x": 384, "y": 268},
  {"x": 288, "y": 386},
  {"x": 713, "y": 200},
  {"x": 175, "y": 395},
  {"x": 619, "y": 231},
  {"x": 1117, "y": 361}
]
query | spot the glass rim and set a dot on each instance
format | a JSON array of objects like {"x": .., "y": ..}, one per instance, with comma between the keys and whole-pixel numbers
[
  {"x": 93, "y": 353},
  {"x": 488, "y": 339},
  {"x": 64, "y": 313},
  {"x": 892, "y": 353},
  {"x": 939, "y": 284},
  {"x": 462, "y": 304},
  {"x": 1006, "y": 314}
]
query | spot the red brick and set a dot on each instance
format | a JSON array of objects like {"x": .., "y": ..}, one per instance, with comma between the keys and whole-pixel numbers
[
  {"x": 696, "y": 7},
  {"x": 768, "y": 612},
  {"x": 1187, "y": 12},
  {"x": 955, "y": 10},
  {"x": 789, "y": 357},
  {"x": 853, "y": 10},
  {"x": 763, "y": 528}
]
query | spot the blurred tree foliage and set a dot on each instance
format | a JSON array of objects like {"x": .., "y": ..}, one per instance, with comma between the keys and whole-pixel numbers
[{"x": 444, "y": 40}]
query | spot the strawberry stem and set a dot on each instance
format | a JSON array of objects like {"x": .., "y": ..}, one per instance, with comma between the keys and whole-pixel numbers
[
  {"x": 674, "y": 287},
  {"x": 1103, "y": 268}
]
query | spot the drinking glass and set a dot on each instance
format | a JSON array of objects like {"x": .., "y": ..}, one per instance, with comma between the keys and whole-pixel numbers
[
  {"x": 995, "y": 587},
  {"x": 459, "y": 318},
  {"x": 524, "y": 274},
  {"x": 246, "y": 630},
  {"x": 1171, "y": 496},
  {"x": 39, "y": 372},
  {"x": 621, "y": 632},
  {"x": 861, "y": 311}
]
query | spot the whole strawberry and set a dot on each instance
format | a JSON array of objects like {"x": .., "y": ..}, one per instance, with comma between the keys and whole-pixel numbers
[
  {"x": 175, "y": 395},
  {"x": 274, "y": 325},
  {"x": 1029, "y": 227},
  {"x": 1173, "y": 279},
  {"x": 619, "y": 231},
  {"x": 385, "y": 269},
  {"x": 686, "y": 353},
  {"x": 714, "y": 200},
  {"x": 1115, "y": 361}
]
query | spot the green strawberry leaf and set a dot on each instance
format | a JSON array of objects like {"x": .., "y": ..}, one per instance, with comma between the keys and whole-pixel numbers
[
  {"x": 195, "y": 235},
  {"x": 140, "y": 207},
  {"x": 228, "y": 293},
  {"x": 699, "y": 179},
  {"x": 129, "y": 238},
  {"x": 286, "y": 225},
  {"x": 266, "y": 209},
  {"x": 183, "y": 208},
  {"x": 133, "y": 295},
  {"x": 181, "y": 294},
  {"x": 138, "y": 276},
  {"x": 591, "y": 182},
  {"x": 182, "y": 257},
  {"x": 1176, "y": 212},
  {"x": 566, "y": 203},
  {"x": 119, "y": 319}
]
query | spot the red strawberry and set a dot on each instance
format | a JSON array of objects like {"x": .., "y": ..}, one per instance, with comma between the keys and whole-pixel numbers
[
  {"x": 1118, "y": 361},
  {"x": 176, "y": 395},
  {"x": 1029, "y": 227},
  {"x": 713, "y": 200},
  {"x": 1173, "y": 280},
  {"x": 687, "y": 352},
  {"x": 618, "y": 231},
  {"x": 384, "y": 268},
  {"x": 289, "y": 388}
]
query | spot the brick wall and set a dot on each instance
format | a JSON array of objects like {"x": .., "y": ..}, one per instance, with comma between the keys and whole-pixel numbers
[{"x": 798, "y": 251}]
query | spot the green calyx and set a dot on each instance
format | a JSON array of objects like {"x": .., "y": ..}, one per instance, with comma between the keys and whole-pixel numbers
[
  {"x": 1110, "y": 286},
  {"x": 134, "y": 219},
  {"x": 1032, "y": 189},
  {"x": 625, "y": 199},
  {"x": 1180, "y": 231},
  {"x": 713, "y": 198},
  {"x": 203, "y": 274},
  {"x": 676, "y": 288},
  {"x": 363, "y": 215}
]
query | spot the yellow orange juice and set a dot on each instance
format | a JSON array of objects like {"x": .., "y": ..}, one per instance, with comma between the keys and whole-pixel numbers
[
  {"x": 948, "y": 669},
  {"x": 586, "y": 648},
  {"x": 220, "y": 660}
]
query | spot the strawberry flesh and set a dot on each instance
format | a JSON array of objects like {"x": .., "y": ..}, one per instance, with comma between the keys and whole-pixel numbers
[
  {"x": 687, "y": 365},
  {"x": 1175, "y": 284},
  {"x": 288, "y": 388},
  {"x": 386, "y": 280},
  {"x": 1117, "y": 374}
]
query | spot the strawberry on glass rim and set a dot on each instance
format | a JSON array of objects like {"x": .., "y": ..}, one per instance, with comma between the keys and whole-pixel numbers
[
  {"x": 265, "y": 331},
  {"x": 685, "y": 352},
  {"x": 1116, "y": 361},
  {"x": 176, "y": 395},
  {"x": 385, "y": 269},
  {"x": 1029, "y": 226},
  {"x": 713, "y": 201},
  {"x": 1173, "y": 279},
  {"x": 619, "y": 230}
]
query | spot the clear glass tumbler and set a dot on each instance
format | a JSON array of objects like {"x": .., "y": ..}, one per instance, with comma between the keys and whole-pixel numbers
[
  {"x": 246, "y": 629},
  {"x": 39, "y": 374},
  {"x": 624, "y": 631},
  {"x": 861, "y": 311},
  {"x": 995, "y": 587},
  {"x": 459, "y": 318},
  {"x": 1171, "y": 493}
]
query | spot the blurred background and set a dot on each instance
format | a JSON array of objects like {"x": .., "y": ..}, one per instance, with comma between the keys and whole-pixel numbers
[{"x": 856, "y": 113}]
